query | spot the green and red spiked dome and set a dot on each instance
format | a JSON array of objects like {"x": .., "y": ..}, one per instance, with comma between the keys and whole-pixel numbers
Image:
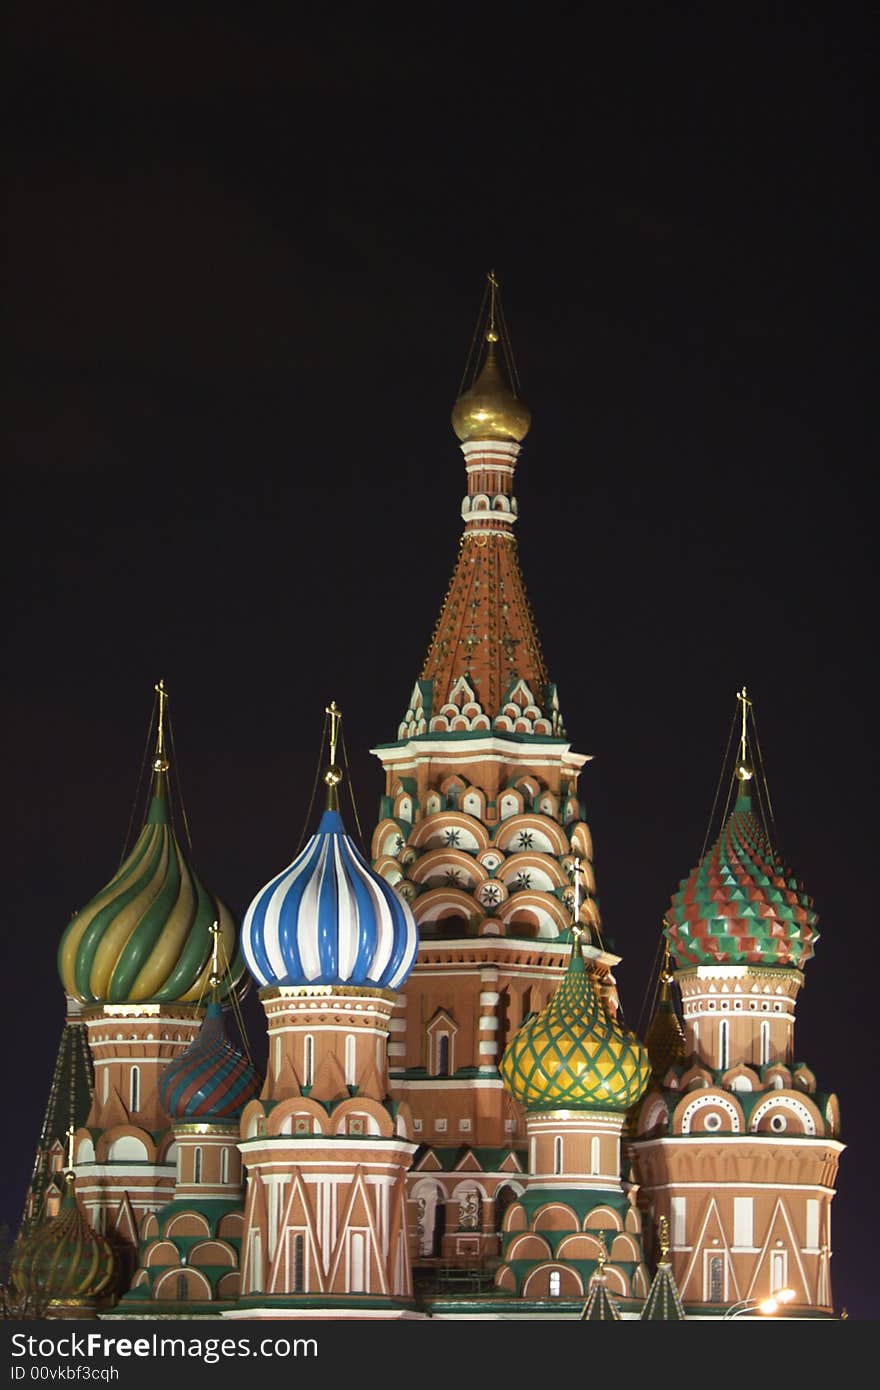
[{"x": 741, "y": 905}]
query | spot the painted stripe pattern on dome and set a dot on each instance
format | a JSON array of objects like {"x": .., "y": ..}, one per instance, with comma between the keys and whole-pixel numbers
[
  {"x": 329, "y": 919},
  {"x": 211, "y": 1080},
  {"x": 147, "y": 934}
]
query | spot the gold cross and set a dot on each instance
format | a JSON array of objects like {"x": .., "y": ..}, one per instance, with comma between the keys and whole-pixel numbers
[
  {"x": 335, "y": 720},
  {"x": 746, "y": 706},
  {"x": 163, "y": 696}
]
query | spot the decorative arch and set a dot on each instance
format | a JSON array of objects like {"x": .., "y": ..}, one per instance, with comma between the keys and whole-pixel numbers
[
  {"x": 212, "y": 1252},
  {"x": 297, "y": 1115},
  {"x": 696, "y": 1113},
  {"x": 161, "y": 1252},
  {"x": 554, "y": 1216},
  {"x": 799, "y": 1114},
  {"x": 547, "y": 837},
  {"x": 537, "y": 1282},
  {"x": 187, "y": 1223},
  {"x": 191, "y": 1283},
  {"x": 360, "y": 1116},
  {"x": 602, "y": 1219}
]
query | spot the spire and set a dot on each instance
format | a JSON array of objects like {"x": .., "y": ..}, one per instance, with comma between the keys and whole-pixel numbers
[
  {"x": 485, "y": 669},
  {"x": 600, "y": 1306},
  {"x": 663, "y": 1303},
  {"x": 665, "y": 1040}
]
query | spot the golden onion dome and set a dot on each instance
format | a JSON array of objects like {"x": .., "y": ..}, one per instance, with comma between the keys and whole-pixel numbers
[
  {"x": 63, "y": 1260},
  {"x": 573, "y": 1055},
  {"x": 489, "y": 409}
]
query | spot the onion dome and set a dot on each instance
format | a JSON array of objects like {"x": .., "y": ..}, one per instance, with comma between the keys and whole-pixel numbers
[
  {"x": 572, "y": 1055},
  {"x": 211, "y": 1080},
  {"x": 63, "y": 1260},
  {"x": 741, "y": 905},
  {"x": 328, "y": 919},
  {"x": 665, "y": 1040},
  {"x": 147, "y": 934},
  {"x": 489, "y": 409}
]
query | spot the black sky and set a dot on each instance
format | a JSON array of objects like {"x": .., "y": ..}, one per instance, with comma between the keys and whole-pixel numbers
[{"x": 245, "y": 249}]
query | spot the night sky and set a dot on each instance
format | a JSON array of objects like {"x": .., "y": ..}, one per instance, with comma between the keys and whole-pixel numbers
[{"x": 245, "y": 251}]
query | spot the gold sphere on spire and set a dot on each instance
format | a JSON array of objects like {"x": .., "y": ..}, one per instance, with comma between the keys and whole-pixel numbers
[{"x": 489, "y": 409}]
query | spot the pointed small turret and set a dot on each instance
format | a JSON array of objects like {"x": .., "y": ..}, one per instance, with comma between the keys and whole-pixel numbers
[
  {"x": 600, "y": 1306},
  {"x": 663, "y": 1303},
  {"x": 665, "y": 1039}
]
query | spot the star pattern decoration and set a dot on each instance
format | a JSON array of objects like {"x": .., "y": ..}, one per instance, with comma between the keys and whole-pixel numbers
[
  {"x": 491, "y": 894},
  {"x": 399, "y": 843},
  {"x": 525, "y": 839},
  {"x": 452, "y": 838},
  {"x": 522, "y": 880},
  {"x": 453, "y": 877}
]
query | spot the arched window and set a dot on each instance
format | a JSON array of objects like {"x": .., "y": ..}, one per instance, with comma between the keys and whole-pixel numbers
[
  {"x": 181, "y": 1288},
  {"x": 557, "y": 1154},
  {"x": 356, "y": 1282},
  {"x": 443, "y": 1054},
  {"x": 350, "y": 1054},
  {"x": 715, "y": 1279},
  {"x": 197, "y": 1166},
  {"x": 299, "y": 1263},
  {"x": 555, "y": 1283},
  {"x": 135, "y": 1084},
  {"x": 308, "y": 1059}
]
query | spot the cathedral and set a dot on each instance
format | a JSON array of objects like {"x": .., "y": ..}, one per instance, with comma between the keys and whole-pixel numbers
[{"x": 455, "y": 1120}]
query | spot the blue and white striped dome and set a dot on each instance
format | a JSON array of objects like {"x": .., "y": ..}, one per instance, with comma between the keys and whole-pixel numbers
[{"x": 328, "y": 919}]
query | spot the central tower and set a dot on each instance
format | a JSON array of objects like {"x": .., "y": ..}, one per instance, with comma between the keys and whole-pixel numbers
[{"x": 482, "y": 831}]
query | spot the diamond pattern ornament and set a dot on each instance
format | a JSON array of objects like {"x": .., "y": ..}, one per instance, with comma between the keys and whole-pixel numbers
[
  {"x": 573, "y": 1055},
  {"x": 741, "y": 905}
]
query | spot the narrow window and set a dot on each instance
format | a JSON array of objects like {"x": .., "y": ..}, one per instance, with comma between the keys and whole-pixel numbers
[
  {"x": 595, "y": 1156},
  {"x": 308, "y": 1059},
  {"x": 778, "y": 1270},
  {"x": 443, "y": 1054},
  {"x": 678, "y": 1209},
  {"x": 765, "y": 1043},
  {"x": 356, "y": 1257},
  {"x": 557, "y": 1155},
  {"x": 743, "y": 1221},
  {"x": 181, "y": 1288},
  {"x": 197, "y": 1166},
  {"x": 715, "y": 1292},
  {"x": 224, "y": 1166},
  {"x": 299, "y": 1263},
  {"x": 555, "y": 1283},
  {"x": 350, "y": 1053},
  {"x": 812, "y": 1224},
  {"x": 135, "y": 1089},
  {"x": 723, "y": 1044}
]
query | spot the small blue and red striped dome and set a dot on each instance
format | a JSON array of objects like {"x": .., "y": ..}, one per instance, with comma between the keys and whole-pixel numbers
[
  {"x": 328, "y": 919},
  {"x": 211, "y": 1080}
]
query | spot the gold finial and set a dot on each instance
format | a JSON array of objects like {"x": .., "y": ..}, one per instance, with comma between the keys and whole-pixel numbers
[
  {"x": 70, "y": 1132},
  {"x": 333, "y": 775},
  {"x": 578, "y": 932},
  {"x": 665, "y": 973},
  {"x": 603, "y": 1257},
  {"x": 215, "y": 979},
  {"x": 744, "y": 770},
  {"x": 160, "y": 762},
  {"x": 663, "y": 1234},
  {"x": 492, "y": 332}
]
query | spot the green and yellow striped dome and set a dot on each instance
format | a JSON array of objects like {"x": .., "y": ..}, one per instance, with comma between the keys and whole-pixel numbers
[
  {"x": 63, "y": 1259},
  {"x": 572, "y": 1055},
  {"x": 147, "y": 935}
]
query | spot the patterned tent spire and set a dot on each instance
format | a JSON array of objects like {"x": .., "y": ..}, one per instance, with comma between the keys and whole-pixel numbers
[
  {"x": 741, "y": 905},
  {"x": 70, "y": 1099},
  {"x": 485, "y": 668},
  {"x": 663, "y": 1303}
]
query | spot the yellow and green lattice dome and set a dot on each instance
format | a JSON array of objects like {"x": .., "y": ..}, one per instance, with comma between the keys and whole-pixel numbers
[{"x": 572, "y": 1055}]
